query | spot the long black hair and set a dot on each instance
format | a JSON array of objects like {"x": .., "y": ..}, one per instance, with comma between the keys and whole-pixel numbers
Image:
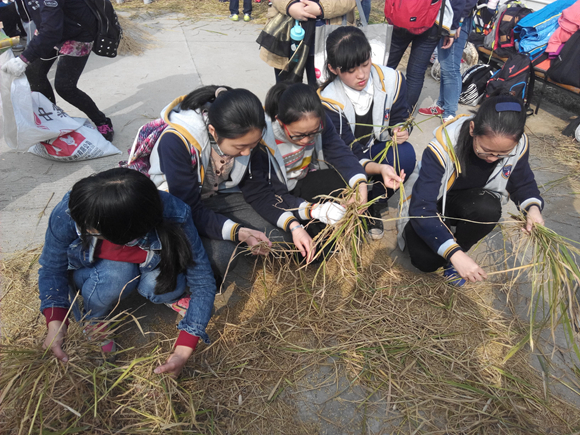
[
  {"x": 346, "y": 48},
  {"x": 488, "y": 121},
  {"x": 233, "y": 113},
  {"x": 291, "y": 102},
  {"x": 123, "y": 205}
]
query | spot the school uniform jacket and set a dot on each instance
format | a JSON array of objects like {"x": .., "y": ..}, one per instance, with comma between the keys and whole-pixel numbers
[
  {"x": 172, "y": 168},
  {"x": 390, "y": 108},
  {"x": 267, "y": 188},
  {"x": 435, "y": 175}
]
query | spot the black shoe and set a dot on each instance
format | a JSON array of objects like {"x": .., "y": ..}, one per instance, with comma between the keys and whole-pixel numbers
[
  {"x": 106, "y": 130},
  {"x": 375, "y": 226}
]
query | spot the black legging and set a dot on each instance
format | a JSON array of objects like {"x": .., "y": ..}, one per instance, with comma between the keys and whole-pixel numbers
[
  {"x": 477, "y": 205},
  {"x": 68, "y": 72}
]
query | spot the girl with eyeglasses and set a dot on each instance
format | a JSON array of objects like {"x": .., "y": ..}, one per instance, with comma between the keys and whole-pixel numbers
[
  {"x": 493, "y": 153},
  {"x": 367, "y": 104},
  {"x": 315, "y": 159},
  {"x": 114, "y": 232}
]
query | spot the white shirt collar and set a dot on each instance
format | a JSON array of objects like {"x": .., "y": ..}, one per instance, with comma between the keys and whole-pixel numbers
[{"x": 361, "y": 100}]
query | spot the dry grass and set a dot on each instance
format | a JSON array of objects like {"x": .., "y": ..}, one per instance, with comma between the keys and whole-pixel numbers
[
  {"x": 214, "y": 9},
  {"x": 135, "y": 40},
  {"x": 435, "y": 358}
]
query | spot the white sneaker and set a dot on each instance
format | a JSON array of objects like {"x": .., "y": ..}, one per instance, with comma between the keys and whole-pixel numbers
[{"x": 448, "y": 118}]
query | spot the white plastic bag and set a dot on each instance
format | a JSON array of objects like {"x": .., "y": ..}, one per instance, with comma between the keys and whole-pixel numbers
[
  {"x": 37, "y": 118},
  {"x": 83, "y": 143},
  {"x": 8, "y": 121}
]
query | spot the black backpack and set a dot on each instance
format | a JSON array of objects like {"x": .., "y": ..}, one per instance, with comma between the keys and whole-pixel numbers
[
  {"x": 505, "y": 40},
  {"x": 474, "y": 81},
  {"x": 565, "y": 68},
  {"x": 516, "y": 78},
  {"x": 109, "y": 31}
]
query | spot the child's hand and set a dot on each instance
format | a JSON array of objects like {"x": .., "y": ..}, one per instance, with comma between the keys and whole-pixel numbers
[
  {"x": 175, "y": 362},
  {"x": 467, "y": 268},
  {"x": 303, "y": 242},
  {"x": 533, "y": 216},
  {"x": 254, "y": 237},
  {"x": 55, "y": 338},
  {"x": 298, "y": 12},
  {"x": 390, "y": 177},
  {"x": 402, "y": 136}
]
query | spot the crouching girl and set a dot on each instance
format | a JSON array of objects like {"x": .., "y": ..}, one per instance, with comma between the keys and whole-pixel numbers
[
  {"x": 493, "y": 153},
  {"x": 367, "y": 104},
  {"x": 114, "y": 232},
  {"x": 315, "y": 161}
]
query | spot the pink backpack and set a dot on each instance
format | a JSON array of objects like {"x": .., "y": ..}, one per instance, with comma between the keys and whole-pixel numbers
[{"x": 146, "y": 138}]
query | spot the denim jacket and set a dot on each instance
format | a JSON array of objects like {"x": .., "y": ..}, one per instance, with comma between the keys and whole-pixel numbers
[{"x": 63, "y": 251}]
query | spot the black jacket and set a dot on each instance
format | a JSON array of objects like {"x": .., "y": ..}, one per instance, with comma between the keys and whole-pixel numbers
[{"x": 57, "y": 21}]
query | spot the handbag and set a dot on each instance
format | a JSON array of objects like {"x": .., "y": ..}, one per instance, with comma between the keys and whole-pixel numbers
[{"x": 379, "y": 36}]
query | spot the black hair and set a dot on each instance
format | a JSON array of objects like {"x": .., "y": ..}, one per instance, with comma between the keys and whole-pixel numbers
[
  {"x": 346, "y": 48},
  {"x": 489, "y": 122},
  {"x": 291, "y": 102},
  {"x": 122, "y": 205},
  {"x": 233, "y": 113}
]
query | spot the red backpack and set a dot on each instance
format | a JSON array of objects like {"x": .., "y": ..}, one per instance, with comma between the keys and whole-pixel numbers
[{"x": 416, "y": 16}]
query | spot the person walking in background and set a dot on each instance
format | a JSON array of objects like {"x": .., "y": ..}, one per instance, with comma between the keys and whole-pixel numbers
[
  {"x": 421, "y": 24},
  {"x": 235, "y": 10},
  {"x": 450, "y": 60},
  {"x": 66, "y": 32}
]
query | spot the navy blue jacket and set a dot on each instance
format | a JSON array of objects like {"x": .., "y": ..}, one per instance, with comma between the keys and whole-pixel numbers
[
  {"x": 58, "y": 21},
  {"x": 521, "y": 186},
  {"x": 399, "y": 113},
  {"x": 269, "y": 196}
]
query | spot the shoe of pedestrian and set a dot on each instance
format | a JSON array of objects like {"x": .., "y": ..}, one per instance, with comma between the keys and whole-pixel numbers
[
  {"x": 452, "y": 276},
  {"x": 269, "y": 3},
  {"x": 106, "y": 130},
  {"x": 247, "y": 17},
  {"x": 448, "y": 118},
  {"x": 434, "y": 110},
  {"x": 234, "y": 17},
  {"x": 180, "y": 306},
  {"x": 375, "y": 225}
]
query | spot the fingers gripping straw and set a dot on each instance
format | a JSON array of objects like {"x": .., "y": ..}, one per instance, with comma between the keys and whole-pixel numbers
[{"x": 296, "y": 36}]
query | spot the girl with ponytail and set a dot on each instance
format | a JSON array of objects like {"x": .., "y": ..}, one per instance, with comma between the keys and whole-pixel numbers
[
  {"x": 467, "y": 193},
  {"x": 203, "y": 156},
  {"x": 114, "y": 232}
]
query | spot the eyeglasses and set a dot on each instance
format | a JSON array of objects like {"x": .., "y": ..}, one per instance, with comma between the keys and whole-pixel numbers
[
  {"x": 485, "y": 154},
  {"x": 299, "y": 137}
]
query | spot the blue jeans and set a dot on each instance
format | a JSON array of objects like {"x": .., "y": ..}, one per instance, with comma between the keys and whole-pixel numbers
[
  {"x": 421, "y": 50},
  {"x": 108, "y": 282},
  {"x": 235, "y": 7},
  {"x": 366, "y": 6},
  {"x": 450, "y": 60},
  {"x": 406, "y": 162}
]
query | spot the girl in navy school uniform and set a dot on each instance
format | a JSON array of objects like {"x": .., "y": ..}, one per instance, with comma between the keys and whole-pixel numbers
[
  {"x": 493, "y": 152},
  {"x": 367, "y": 104}
]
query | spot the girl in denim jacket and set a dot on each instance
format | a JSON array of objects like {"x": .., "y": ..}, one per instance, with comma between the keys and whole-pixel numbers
[{"x": 114, "y": 232}]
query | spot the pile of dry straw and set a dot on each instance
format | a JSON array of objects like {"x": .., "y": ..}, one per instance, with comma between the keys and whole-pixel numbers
[{"x": 441, "y": 361}]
